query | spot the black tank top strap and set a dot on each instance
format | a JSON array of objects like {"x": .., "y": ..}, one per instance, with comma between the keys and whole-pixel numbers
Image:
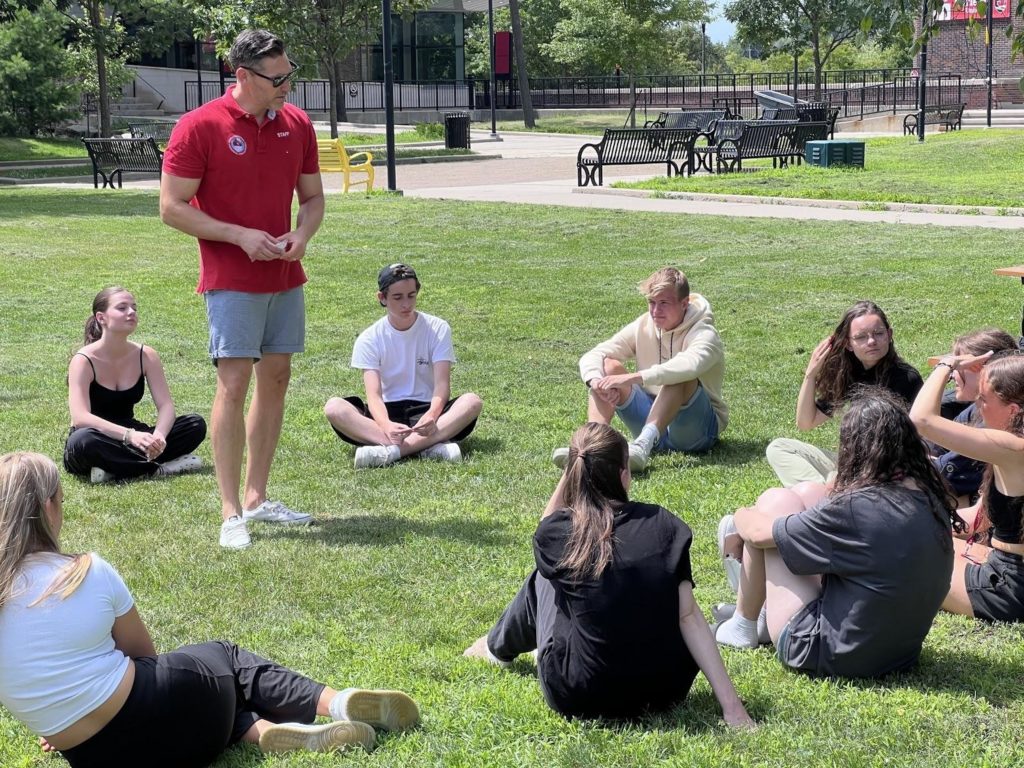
[
  {"x": 90, "y": 363},
  {"x": 142, "y": 366}
]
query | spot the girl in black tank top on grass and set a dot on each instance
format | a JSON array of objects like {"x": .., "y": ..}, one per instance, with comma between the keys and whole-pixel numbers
[
  {"x": 988, "y": 572},
  {"x": 106, "y": 380}
]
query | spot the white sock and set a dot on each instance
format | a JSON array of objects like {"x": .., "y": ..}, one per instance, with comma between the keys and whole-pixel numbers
[
  {"x": 338, "y": 708},
  {"x": 394, "y": 453},
  {"x": 762, "y": 626},
  {"x": 738, "y": 632},
  {"x": 648, "y": 437}
]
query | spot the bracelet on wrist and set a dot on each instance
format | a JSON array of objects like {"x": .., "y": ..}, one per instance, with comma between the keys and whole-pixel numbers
[
  {"x": 947, "y": 365},
  {"x": 127, "y": 436}
]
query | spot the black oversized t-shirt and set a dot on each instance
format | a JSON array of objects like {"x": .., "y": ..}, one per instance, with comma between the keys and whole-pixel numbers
[
  {"x": 617, "y": 648},
  {"x": 886, "y": 559},
  {"x": 902, "y": 380}
]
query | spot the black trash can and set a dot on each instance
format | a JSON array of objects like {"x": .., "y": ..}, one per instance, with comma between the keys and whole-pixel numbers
[{"x": 456, "y": 130}]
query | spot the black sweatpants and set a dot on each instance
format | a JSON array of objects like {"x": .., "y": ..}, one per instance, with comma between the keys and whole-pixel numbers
[
  {"x": 186, "y": 706},
  {"x": 87, "y": 448}
]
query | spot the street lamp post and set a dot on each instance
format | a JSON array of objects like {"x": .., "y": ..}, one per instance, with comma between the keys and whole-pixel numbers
[
  {"x": 922, "y": 86},
  {"x": 988, "y": 62},
  {"x": 494, "y": 79},
  {"x": 389, "y": 96},
  {"x": 703, "y": 39}
]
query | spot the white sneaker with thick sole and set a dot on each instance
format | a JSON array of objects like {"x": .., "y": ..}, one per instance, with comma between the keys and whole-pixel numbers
[
  {"x": 276, "y": 512},
  {"x": 326, "y": 737},
  {"x": 375, "y": 456},
  {"x": 560, "y": 457},
  {"x": 442, "y": 452},
  {"x": 733, "y": 567},
  {"x": 97, "y": 475},
  {"x": 234, "y": 534},
  {"x": 639, "y": 456},
  {"x": 187, "y": 463},
  {"x": 386, "y": 710}
]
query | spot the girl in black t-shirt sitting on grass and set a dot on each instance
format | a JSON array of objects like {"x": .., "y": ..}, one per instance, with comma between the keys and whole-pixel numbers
[{"x": 609, "y": 610}]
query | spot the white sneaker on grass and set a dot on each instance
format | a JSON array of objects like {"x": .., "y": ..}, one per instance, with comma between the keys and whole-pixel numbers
[
  {"x": 326, "y": 737},
  {"x": 276, "y": 512},
  {"x": 187, "y": 463},
  {"x": 560, "y": 457},
  {"x": 376, "y": 456},
  {"x": 733, "y": 567},
  {"x": 639, "y": 456},
  {"x": 97, "y": 475},
  {"x": 386, "y": 710},
  {"x": 442, "y": 452},
  {"x": 234, "y": 534}
]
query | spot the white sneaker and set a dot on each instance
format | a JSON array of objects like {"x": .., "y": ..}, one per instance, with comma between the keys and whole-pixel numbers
[
  {"x": 442, "y": 452},
  {"x": 326, "y": 737},
  {"x": 733, "y": 567},
  {"x": 560, "y": 457},
  {"x": 187, "y": 463},
  {"x": 234, "y": 534},
  {"x": 387, "y": 710},
  {"x": 97, "y": 475},
  {"x": 376, "y": 456},
  {"x": 276, "y": 512},
  {"x": 639, "y": 456}
]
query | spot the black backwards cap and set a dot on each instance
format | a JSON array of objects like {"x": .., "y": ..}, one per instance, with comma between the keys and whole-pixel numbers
[{"x": 393, "y": 274}]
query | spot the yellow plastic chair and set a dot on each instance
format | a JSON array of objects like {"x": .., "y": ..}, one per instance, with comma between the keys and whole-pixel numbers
[{"x": 333, "y": 157}]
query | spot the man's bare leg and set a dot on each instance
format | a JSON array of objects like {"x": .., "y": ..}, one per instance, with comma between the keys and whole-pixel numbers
[
  {"x": 600, "y": 409},
  {"x": 263, "y": 424},
  {"x": 227, "y": 430}
]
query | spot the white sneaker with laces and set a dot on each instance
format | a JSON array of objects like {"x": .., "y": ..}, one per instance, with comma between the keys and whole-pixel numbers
[
  {"x": 639, "y": 455},
  {"x": 187, "y": 463},
  {"x": 560, "y": 457},
  {"x": 97, "y": 475},
  {"x": 442, "y": 452},
  {"x": 733, "y": 567},
  {"x": 234, "y": 534},
  {"x": 376, "y": 456},
  {"x": 276, "y": 512}
]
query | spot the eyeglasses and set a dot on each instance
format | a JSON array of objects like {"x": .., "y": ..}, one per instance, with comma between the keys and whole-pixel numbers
[
  {"x": 279, "y": 80},
  {"x": 862, "y": 338}
]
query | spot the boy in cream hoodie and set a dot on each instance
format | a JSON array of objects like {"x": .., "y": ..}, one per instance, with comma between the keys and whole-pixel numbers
[{"x": 673, "y": 402}]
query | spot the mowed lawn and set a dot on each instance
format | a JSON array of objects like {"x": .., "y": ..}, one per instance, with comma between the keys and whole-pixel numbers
[
  {"x": 410, "y": 564},
  {"x": 972, "y": 167}
]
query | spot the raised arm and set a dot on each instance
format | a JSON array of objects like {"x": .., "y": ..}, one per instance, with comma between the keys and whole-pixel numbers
[
  {"x": 701, "y": 644},
  {"x": 808, "y": 415}
]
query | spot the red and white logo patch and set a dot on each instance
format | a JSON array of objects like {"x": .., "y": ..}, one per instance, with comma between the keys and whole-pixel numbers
[{"x": 237, "y": 144}]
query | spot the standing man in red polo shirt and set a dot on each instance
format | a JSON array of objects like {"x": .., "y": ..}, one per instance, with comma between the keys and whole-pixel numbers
[{"x": 230, "y": 172}]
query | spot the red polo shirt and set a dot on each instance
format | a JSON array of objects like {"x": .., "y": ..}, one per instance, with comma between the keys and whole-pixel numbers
[{"x": 248, "y": 175}]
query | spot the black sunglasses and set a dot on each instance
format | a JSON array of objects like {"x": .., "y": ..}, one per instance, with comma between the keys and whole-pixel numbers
[{"x": 278, "y": 81}]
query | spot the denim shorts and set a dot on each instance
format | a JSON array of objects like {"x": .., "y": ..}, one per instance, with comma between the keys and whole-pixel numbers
[
  {"x": 694, "y": 429},
  {"x": 255, "y": 324}
]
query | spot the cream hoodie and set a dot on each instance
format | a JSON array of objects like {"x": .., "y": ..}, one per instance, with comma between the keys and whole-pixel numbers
[{"x": 691, "y": 350}]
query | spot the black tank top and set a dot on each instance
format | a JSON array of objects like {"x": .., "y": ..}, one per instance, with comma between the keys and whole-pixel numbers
[
  {"x": 1006, "y": 514},
  {"x": 115, "y": 405}
]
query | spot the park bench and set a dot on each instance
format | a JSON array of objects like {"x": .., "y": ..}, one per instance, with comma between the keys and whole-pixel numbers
[
  {"x": 831, "y": 115},
  {"x": 159, "y": 130},
  {"x": 783, "y": 141},
  {"x": 949, "y": 116},
  {"x": 796, "y": 141},
  {"x": 700, "y": 155},
  {"x": 334, "y": 157},
  {"x": 111, "y": 157},
  {"x": 634, "y": 146},
  {"x": 779, "y": 113},
  {"x": 698, "y": 119}
]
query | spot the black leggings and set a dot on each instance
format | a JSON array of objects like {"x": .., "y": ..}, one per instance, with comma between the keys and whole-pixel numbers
[
  {"x": 186, "y": 706},
  {"x": 87, "y": 448}
]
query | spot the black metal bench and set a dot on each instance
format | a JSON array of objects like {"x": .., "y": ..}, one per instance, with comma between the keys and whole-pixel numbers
[
  {"x": 634, "y": 146},
  {"x": 701, "y": 154},
  {"x": 157, "y": 129},
  {"x": 949, "y": 116},
  {"x": 111, "y": 157},
  {"x": 782, "y": 141},
  {"x": 697, "y": 119}
]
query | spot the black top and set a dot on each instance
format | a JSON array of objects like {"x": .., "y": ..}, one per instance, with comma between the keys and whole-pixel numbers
[
  {"x": 903, "y": 380},
  {"x": 1006, "y": 514},
  {"x": 886, "y": 556},
  {"x": 116, "y": 405},
  {"x": 617, "y": 647}
]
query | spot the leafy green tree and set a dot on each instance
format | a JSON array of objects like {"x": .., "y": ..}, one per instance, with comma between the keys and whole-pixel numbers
[{"x": 37, "y": 87}]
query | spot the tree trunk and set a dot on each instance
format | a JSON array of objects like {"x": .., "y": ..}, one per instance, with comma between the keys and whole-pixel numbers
[
  {"x": 529, "y": 116},
  {"x": 99, "y": 40},
  {"x": 340, "y": 106},
  {"x": 332, "y": 97},
  {"x": 816, "y": 43}
]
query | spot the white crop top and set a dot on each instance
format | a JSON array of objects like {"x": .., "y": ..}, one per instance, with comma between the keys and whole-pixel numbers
[{"x": 57, "y": 659}]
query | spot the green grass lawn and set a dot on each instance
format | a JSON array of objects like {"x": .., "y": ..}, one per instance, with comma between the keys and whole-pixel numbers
[
  {"x": 573, "y": 122},
  {"x": 410, "y": 564},
  {"x": 970, "y": 167},
  {"x": 14, "y": 148},
  {"x": 46, "y": 171}
]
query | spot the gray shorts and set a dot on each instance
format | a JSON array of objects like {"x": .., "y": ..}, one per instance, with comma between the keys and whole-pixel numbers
[
  {"x": 996, "y": 587},
  {"x": 799, "y": 643},
  {"x": 254, "y": 324}
]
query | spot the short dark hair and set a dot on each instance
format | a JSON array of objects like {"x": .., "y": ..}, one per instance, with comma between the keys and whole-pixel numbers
[
  {"x": 394, "y": 273},
  {"x": 253, "y": 45}
]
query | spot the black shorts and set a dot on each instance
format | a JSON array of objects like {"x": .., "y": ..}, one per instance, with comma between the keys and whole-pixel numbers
[
  {"x": 406, "y": 412},
  {"x": 996, "y": 587},
  {"x": 799, "y": 645}
]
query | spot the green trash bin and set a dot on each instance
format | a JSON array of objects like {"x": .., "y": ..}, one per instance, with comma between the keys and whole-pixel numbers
[{"x": 831, "y": 152}]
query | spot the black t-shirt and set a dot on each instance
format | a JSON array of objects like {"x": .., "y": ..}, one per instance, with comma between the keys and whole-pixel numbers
[
  {"x": 886, "y": 561},
  {"x": 902, "y": 380},
  {"x": 617, "y": 647}
]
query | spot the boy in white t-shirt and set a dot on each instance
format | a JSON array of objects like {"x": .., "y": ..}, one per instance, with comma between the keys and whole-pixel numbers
[{"x": 406, "y": 359}]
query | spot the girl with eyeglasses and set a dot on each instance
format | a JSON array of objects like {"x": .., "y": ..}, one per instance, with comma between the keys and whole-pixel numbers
[
  {"x": 78, "y": 666},
  {"x": 860, "y": 352},
  {"x": 988, "y": 571},
  {"x": 609, "y": 612}
]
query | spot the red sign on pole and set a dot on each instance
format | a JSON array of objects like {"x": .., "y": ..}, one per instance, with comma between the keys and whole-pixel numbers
[
  {"x": 503, "y": 54},
  {"x": 961, "y": 10}
]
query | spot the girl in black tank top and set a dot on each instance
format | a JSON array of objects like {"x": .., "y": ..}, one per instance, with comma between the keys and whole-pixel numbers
[
  {"x": 988, "y": 579},
  {"x": 106, "y": 380}
]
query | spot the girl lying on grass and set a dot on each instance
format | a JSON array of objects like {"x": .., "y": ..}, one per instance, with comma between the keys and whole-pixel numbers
[
  {"x": 988, "y": 571},
  {"x": 850, "y": 578},
  {"x": 78, "y": 667},
  {"x": 609, "y": 609}
]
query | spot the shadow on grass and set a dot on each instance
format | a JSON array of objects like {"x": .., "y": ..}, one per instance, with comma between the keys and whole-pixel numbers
[
  {"x": 387, "y": 531},
  {"x": 727, "y": 453},
  {"x": 485, "y": 445}
]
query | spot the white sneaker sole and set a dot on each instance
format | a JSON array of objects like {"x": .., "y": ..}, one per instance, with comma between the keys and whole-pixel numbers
[
  {"x": 288, "y": 737},
  {"x": 387, "y": 710}
]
